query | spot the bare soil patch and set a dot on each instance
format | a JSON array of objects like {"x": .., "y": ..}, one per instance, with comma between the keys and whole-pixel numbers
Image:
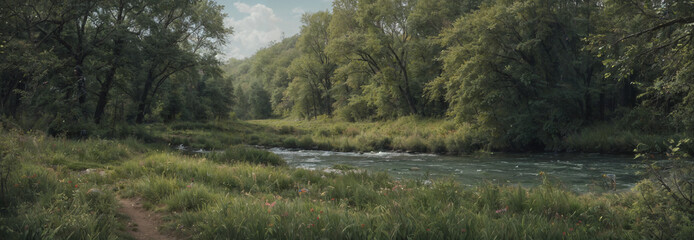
[{"x": 143, "y": 224}]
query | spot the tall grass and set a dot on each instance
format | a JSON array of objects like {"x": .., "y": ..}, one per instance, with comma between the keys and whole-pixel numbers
[
  {"x": 442, "y": 136},
  {"x": 247, "y": 154},
  {"x": 209, "y": 199},
  {"x": 249, "y": 193},
  {"x": 47, "y": 194}
]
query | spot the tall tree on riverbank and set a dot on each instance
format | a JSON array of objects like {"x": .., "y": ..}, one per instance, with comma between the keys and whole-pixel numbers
[
  {"x": 514, "y": 69},
  {"x": 376, "y": 33},
  {"x": 313, "y": 72},
  {"x": 178, "y": 36},
  {"x": 647, "y": 46}
]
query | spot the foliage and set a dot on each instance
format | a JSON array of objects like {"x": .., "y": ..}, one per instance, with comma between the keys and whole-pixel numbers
[
  {"x": 67, "y": 64},
  {"x": 247, "y": 154},
  {"x": 220, "y": 195},
  {"x": 665, "y": 205}
]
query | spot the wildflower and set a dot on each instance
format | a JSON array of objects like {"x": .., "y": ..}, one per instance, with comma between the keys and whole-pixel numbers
[
  {"x": 571, "y": 229},
  {"x": 321, "y": 212},
  {"x": 542, "y": 173},
  {"x": 312, "y": 209},
  {"x": 502, "y": 210},
  {"x": 363, "y": 225},
  {"x": 318, "y": 218},
  {"x": 428, "y": 229},
  {"x": 189, "y": 186},
  {"x": 69, "y": 181},
  {"x": 332, "y": 199},
  {"x": 16, "y": 185},
  {"x": 563, "y": 233},
  {"x": 76, "y": 186},
  {"x": 270, "y": 204}
]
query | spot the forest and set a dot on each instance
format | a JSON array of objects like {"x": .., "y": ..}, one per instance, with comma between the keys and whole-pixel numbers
[
  {"x": 525, "y": 74},
  {"x": 111, "y": 110}
]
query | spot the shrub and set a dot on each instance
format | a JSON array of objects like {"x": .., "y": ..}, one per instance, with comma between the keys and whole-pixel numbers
[
  {"x": 286, "y": 129},
  {"x": 193, "y": 197},
  {"x": 240, "y": 153},
  {"x": 306, "y": 142},
  {"x": 290, "y": 142}
]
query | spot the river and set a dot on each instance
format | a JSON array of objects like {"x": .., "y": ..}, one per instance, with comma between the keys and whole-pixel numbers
[{"x": 577, "y": 172}]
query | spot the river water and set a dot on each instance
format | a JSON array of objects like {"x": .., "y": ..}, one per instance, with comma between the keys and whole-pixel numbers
[{"x": 576, "y": 172}]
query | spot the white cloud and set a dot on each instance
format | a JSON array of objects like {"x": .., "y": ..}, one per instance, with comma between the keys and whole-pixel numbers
[
  {"x": 298, "y": 11},
  {"x": 252, "y": 32}
]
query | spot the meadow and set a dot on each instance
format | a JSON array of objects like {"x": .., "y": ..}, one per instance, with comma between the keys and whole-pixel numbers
[
  {"x": 57, "y": 188},
  {"x": 406, "y": 134}
]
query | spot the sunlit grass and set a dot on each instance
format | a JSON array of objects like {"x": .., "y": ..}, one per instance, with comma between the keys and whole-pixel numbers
[{"x": 248, "y": 193}]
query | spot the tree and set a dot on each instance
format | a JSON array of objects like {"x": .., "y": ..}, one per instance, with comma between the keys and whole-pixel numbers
[
  {"x": 647, "y": 49},
  {"x": 376, "y": 33},
  {"x": 259, "y": 100},
  {"x": 313, "y": 72},
  {"x": 270, "y": 68},
  {"x": 177, "y": 36},
  {"x": 120, "y": 15},
  {"x": 513, "y": 68}
]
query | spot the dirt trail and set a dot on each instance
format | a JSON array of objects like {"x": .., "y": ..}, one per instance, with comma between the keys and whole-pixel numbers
[{"x": 143, "y": 224}]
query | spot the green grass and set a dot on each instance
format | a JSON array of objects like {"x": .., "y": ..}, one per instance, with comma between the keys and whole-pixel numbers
[
  {"x": 248, "y": 193},
  {"x": 247, "y": 154},
  {"x": 441, "y": 136},
  {"x": 362, "y": 205}
]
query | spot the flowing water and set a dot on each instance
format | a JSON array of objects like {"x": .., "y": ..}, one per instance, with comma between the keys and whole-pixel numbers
[{"x": 577, "y": 172}]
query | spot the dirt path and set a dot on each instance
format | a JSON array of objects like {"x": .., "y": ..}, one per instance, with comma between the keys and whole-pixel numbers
[{"x": 143, "y": 224}]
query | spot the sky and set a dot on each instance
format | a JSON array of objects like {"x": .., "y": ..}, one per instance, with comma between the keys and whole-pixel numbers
[{"x": 257, "y": 23}]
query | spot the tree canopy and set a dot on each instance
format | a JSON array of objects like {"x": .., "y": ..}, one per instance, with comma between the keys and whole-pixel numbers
[{"x": 526, "y": 74}]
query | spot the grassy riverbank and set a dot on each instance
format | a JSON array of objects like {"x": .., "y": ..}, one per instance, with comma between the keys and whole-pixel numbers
[
  {"x": 59, "y": 188},
  {"x": 414, "y": 134},
  {"x": 408, "y": 134}
]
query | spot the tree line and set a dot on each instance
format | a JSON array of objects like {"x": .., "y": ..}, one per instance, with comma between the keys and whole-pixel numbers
[
  {"x": 527, "y": 73},
  {"x": 70, "y": 64}
]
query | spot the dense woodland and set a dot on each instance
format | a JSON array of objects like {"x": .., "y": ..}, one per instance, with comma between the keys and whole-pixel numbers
[
  {"x": 68, "y": 64},
  {"x": 526, "y": 74},
  {"x": 108, "y": 105}
]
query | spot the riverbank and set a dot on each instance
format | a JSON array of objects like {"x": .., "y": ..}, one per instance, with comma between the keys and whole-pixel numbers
[
  {"x": 61, "y": 188},
  {"x": 408, "y": 134},
  {"x": 440, "y": 136}
]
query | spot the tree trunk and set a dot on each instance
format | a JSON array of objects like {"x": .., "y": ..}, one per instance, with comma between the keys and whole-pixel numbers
[
  {"x": 586, "y": 96},
  {"x": 142, "y": 106},
  {"x": 115, "y": 62},
  {"x": 108, "y": 83},
  {"x": 103, "y": 95}
]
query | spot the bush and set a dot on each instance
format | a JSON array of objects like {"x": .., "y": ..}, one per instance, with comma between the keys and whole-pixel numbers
[
  {"x": 290, "y": 142},
  {"x": 247, "y": 154},
  {"x": 306, "y": 142}
]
